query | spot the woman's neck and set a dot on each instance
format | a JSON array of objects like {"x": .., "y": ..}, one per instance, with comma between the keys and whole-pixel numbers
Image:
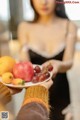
[{"x": 47, "y": 19}]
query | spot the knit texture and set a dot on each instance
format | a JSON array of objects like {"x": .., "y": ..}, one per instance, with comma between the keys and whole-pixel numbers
[{"x": 37, "y": 94}]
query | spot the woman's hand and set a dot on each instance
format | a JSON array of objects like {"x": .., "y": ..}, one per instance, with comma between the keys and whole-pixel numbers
[
  {"x": 14, "y": 91},
  {"x": 55, "y": 64},
  {"x": 47, "y": 84},
  {"x": 68, "y": 113}
]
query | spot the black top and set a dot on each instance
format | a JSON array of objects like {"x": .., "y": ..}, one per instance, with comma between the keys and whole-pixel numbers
[
  {"x": 59, "y": 92},
  {"x": 39, "y": 59}
]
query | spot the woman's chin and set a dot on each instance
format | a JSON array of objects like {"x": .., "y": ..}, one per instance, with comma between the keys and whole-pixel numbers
[{"x": 44, "y": 13}]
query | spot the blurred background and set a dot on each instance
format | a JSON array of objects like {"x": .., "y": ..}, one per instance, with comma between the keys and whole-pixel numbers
[
  {"x": 12, "y": 12},
  {"x": 15, "y": 11}
]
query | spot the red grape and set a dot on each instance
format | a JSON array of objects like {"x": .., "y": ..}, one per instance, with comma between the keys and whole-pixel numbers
[
  {"x": 35, "y": 79},
  {"x": 35, "y": 73},
  {"x": 41, "y": 75},
  {"x": 50, "y": 67},
  {"x": 37, "y": 69},
  {"x": 47, "y": 74},
  {"x": 42, "y": 78}
]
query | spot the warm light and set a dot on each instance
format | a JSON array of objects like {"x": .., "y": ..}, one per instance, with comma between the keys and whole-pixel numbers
[
  {"x": 73, "y": 10},
  {"x": 4, "y": 10}
]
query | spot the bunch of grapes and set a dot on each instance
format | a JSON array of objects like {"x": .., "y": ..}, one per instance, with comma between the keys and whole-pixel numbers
[{"x": 41, "y": 74}]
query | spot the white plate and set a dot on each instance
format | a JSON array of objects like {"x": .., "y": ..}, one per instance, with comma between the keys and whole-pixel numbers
[{"x": 28, "y": 84}]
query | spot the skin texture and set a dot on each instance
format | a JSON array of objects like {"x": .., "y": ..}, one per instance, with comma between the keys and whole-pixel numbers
[{"x": 39, "y": 5}]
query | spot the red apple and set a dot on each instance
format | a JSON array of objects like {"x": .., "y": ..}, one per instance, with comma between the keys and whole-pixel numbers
[{"x": 24, "y": 70}]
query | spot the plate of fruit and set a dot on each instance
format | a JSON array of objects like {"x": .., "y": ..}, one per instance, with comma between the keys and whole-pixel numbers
[{"x": 24, "y": 74}]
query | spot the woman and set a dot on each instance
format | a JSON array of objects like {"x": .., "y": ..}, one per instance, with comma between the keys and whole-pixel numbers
[{"x": 50, "y": 38}]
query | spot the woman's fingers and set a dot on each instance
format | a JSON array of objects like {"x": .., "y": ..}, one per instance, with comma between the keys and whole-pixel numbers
[
  {"x": 47, "y": 63},
  {"x": 47, "y": 84},
  {"x": 68, "y": 116},
  {"x": 68, "y": 113},
  {"x": 54, "y": 71},
  {"x": 67, "y": 109}
]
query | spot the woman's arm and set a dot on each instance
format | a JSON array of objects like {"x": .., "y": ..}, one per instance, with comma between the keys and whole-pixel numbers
[
  {"x": 70, "y": 48},
  {"x": 67, "y": 62},
  {"x": 23, "y": 39}
]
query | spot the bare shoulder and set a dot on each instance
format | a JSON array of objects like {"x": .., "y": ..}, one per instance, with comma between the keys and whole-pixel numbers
[
  {"x": 63, "y": 20},
  {"x": 71, "y": 24},
  {"x": 24, "y": 25}
]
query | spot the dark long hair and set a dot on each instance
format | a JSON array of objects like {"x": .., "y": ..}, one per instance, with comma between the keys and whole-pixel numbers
[{"x": 59, "y": 10}]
